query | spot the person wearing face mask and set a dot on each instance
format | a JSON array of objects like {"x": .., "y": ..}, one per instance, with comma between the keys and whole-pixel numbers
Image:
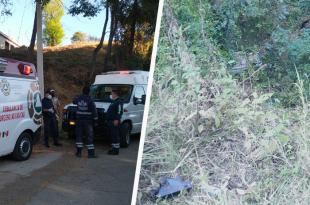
[
  {"x": 49, "y": 119},
  {"x": 56, "y": 103},
  {"x": 86, "y": 116},
  {"x": 114, "y": 115}
]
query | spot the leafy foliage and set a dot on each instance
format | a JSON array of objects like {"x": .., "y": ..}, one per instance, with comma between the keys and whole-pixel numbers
[
  {"x": 78, "y": 37},
  {"x": 5, "y": 7},
  {"x": 53, "y": 31},
  {"x": 226, "y": 135},
  {"x": 85, "y": 7},
  {"x": 132, "y": 28},
  {"x": 273, "y": 32}
]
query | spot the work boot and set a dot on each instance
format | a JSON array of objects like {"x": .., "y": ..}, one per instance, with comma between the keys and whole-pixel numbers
[
  {"x": 78, "y": 152},
  {"x": 91, "y": 153},
  {"x": 113, "y": 151}
]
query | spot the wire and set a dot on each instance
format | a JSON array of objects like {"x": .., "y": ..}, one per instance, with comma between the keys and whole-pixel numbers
[{"x": 22, "y": 20}]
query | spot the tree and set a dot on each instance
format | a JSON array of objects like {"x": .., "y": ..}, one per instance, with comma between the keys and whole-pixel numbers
[
  {"x": 34, "y": 33},
  {"x": 78, "y": 37},
  {"x": 5, "y": 7},
  {"x": 89, "y": 10},
  {"x": 136, "y": 28},
  {"x": 141, "y": 18},
  {"x": 53, "y": 31},
  {"x": 127, "y": 17},
  {"x": 93, "y": 38},
  {"x": 113, "y": 27}
]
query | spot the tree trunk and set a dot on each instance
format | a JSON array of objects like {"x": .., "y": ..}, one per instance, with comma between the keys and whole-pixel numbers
[
  {"x": 33, "y": 38},
  {"x": 113, "y": 27},
  {"x": 133, "y": 28},
  {"x": 99, "y": 46}
]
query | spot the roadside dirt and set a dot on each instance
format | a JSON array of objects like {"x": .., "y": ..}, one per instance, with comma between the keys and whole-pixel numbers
[{"x": 67, "y": 179}]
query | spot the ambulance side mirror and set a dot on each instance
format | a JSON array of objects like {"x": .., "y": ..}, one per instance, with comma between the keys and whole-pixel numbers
[
  {"x": 143, "y": 99},
  {"x": 137, "y": 101}
]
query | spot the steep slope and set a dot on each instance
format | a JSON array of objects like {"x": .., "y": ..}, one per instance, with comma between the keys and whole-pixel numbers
[{"x": 65, "y": 68}]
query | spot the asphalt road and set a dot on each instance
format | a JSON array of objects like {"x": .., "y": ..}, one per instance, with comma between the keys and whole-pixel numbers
[{"x": 55, "y": 176}]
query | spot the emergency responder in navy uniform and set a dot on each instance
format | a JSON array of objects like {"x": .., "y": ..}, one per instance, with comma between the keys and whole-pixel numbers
[
  {"x": 114, "y": 115},
  {"x": 86, "y": 116},
  {"x": 49, "y": 119}
]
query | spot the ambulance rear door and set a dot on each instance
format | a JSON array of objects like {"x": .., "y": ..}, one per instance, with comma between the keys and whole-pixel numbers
[{"x": 20, "y": 104}]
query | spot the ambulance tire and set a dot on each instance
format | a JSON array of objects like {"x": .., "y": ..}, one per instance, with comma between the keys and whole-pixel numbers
[
  {"x": 125, "y": 133},
  {"x": 23, "y": 147}
]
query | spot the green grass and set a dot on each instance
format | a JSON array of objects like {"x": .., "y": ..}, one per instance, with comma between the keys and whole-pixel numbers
[{"x": 226, "y": 138}]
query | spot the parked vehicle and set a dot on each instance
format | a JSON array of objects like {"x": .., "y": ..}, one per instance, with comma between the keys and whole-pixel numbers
[
  {"x": 20, "y": 108},
  {"x": 132, "y": 86}
]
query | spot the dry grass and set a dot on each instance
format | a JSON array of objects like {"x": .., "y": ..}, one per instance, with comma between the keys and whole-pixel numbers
[
  {"x": 65, "y": 67},
  {"x": 230, "y": 142},
  {"x": 76, "y": 45}
]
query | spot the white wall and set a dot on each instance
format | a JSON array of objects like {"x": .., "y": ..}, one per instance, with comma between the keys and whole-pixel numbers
[{"x": 2, "y": 42}]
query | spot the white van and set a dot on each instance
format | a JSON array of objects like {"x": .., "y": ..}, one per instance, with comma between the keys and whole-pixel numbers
[
  {"x": 132, "y": 86},
  {"x": 20, "y": 108}
]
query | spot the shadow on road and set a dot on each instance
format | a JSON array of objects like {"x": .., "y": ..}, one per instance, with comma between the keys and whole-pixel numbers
[{"x": 55, "y": 176}]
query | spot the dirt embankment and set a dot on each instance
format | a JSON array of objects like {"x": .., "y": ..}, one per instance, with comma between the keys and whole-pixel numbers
[{"x": 65, "y": 68}]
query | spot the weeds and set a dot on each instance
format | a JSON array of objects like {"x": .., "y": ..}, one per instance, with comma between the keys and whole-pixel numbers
[{"x": 234, "y": 145}]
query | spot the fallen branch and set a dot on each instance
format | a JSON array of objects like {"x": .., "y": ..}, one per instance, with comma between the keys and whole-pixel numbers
[{"x": 259, "y": 69}]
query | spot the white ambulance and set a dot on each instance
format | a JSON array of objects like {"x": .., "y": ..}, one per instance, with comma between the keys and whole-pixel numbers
[
  {"x": 132, "y": 86},
  {"x": 20, "y": 108}
]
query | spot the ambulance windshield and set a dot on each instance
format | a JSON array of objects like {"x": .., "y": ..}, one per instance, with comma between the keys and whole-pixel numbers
[{"x": 101, "y": 93}]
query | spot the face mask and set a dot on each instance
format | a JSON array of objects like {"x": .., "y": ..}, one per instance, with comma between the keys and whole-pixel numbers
[
  {"x": 49, "y": 97},
  {"x": 111, "y": 97}
]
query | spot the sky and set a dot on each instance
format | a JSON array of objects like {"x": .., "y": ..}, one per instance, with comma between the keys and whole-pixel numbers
[{"x": 19, "y": 26}]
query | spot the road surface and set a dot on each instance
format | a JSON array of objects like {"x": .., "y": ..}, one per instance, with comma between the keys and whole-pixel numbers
[{"x": 55, "y": 176}]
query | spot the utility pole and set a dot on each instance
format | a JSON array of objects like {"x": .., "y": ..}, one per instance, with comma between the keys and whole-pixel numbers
[{"x": 40, "y": 46}]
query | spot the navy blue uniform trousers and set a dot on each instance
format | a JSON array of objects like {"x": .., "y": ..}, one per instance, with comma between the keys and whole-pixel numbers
[
  {"x": 114, "y": 134},
  {"x": 50, "y": 128},
  {"x": 84, "y": 128}
]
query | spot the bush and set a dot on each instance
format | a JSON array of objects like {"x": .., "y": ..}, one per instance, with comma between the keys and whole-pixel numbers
[{"x": 228, "y": 139}]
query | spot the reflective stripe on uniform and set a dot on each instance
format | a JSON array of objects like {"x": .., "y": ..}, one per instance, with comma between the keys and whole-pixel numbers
[
  {"x": 90, "y": 146},
  {"x": 119, "y": 109},
  {"x": 79, "y": 144},
  {"x": 83, "y": 113},
  {"x": 116, "y": 145}
]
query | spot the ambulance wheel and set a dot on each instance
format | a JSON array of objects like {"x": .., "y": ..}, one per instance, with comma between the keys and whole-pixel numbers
[
  {"x": 125, "y": 134},
  {"x": 23, "y": 147}
]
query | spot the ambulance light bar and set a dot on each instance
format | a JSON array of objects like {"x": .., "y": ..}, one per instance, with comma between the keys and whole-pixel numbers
[
  {"x": 25, "y": 69},
  {"x": 124, "y": 72}
]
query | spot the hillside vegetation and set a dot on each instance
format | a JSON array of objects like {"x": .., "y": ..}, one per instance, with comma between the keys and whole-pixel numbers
[
  {"x": 67, "y": 67},
  {"x": 229, "y": 109}
]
